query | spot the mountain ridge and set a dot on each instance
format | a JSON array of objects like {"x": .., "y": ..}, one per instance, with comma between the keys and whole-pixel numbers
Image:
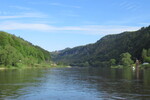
[{"x": 108, "y": 47}]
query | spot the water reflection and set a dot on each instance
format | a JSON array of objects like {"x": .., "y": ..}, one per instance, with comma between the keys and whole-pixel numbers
[
  {"x": 13, "y": 80},
  {"x": 74, "y": 84},
  {"x": 124, "y": 83}
]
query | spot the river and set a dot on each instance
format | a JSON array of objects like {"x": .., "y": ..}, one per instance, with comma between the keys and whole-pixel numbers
[{"x": 74, "y": 84}]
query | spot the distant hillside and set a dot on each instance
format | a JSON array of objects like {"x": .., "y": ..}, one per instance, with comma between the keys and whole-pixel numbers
[
  {"x": 108, "y": 47},
  {"x": 15, "y": 51}
]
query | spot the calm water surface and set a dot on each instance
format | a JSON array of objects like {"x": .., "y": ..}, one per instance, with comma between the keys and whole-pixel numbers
[{"x": 74, "y": 84}]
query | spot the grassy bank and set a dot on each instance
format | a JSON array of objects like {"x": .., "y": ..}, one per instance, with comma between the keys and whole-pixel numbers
[
  {"x": 42, "y": 65},
  {"x": 145, "y": 66},
  {"x": 117, "y": 66}
]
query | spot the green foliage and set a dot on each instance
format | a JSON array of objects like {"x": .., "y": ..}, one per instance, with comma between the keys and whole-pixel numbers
[
  {"x": 15, "y": 51},
  {"x": 126, "y": 59},
  {"x": 117, "y": 66},
  {"x": 112, "y": 62},
  {"x": 9, "y": 56},
  {"x": 146, "y": 55},
  {"x": 147, "y": 59},
  {"x": 148, "y": 52},
  {"x": 145, "y": 66},
  {"x": 108, "y": 47}
]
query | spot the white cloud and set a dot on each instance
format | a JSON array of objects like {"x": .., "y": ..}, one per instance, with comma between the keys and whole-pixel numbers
[
  {"x": 24, "y": 15},
  {"x": 20, "y": 7},
  {"x": 63, "y": 5},
  {"x": 55, "y": 4},
  {"x": 24, "y": 26},
  {"x": 87, "y": 29}
]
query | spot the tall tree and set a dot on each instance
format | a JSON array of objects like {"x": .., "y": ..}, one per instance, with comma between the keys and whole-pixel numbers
[
  {"x": 126, "y": 59},
  {"x": 144, "y": 54},
  {"x": 112, "y": 61}
]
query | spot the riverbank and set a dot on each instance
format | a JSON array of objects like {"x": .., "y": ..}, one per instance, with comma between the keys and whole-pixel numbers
[
  {"x": 145, "y": 66},
  {"x": 133, "y": 66},
  {"x": 33, "y": 66}
]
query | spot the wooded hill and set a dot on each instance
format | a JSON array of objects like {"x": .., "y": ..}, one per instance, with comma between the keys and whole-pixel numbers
[
  {"x": 15, "y": 51},
  {"x": 108, "y": 47}
]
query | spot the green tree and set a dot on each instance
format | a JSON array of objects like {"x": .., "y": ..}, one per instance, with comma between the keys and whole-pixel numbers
[
  {"x": 9, "y": 56},
  {"x": 15, "y": 51},
  {"x": 148, "y": 52},
  {"x": 147, "y": 59},
  {"x": 86, "y": 64},
  {"x": 126, "y": 59},
  {"x": 112, "y": 61},
  {"x": 144, "y": 54},
  {"x": 2, "y": 56}
]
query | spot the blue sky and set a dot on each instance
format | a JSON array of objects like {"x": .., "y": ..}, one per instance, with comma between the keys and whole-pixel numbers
[{"x": 57, "y": 24}]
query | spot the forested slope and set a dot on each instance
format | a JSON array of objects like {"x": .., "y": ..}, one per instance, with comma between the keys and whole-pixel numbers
[
  {"x": 108, "y": 47},
  {"x": 15, "y": 51}
]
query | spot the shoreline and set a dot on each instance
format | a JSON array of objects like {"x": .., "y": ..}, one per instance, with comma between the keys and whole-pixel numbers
[{"x": 58, "y": 66}]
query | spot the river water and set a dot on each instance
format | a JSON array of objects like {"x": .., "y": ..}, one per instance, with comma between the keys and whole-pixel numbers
[{"x": 74, "y": 84}]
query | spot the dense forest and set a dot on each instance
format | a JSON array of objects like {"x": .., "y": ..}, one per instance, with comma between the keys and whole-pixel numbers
[
  {"x": 111, "y": 48},
  {"x": 15, "y": 51}
]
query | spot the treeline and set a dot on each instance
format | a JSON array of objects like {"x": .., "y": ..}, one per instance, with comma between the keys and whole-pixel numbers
[
  {"x": 107, "y": 48},
  {"x": 146, "y": 55},
  {"x": 125, "y": 60},
  {"x": 14, "y": 51}
]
